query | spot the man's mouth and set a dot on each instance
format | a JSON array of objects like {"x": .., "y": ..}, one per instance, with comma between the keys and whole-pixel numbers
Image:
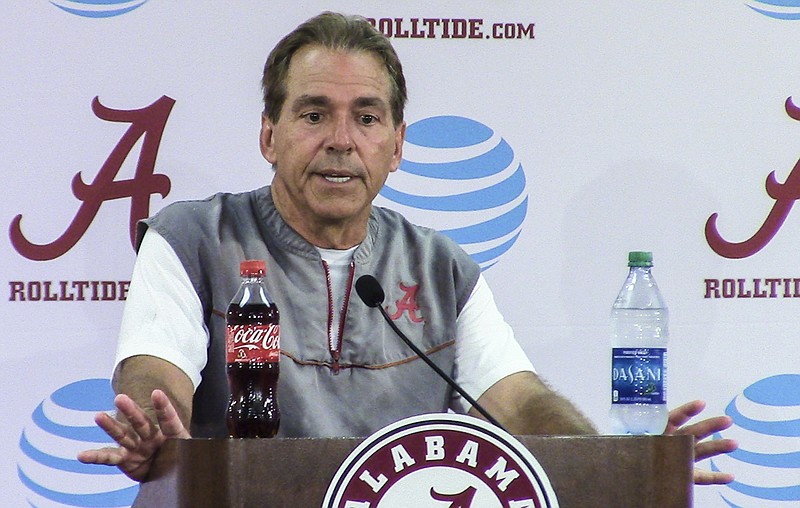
[{"x": 337, "y": 179}]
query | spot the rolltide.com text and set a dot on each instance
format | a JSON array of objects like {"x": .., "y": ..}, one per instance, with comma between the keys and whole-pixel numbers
[
  {"x": 68, "y": 291},
  {"x": 775, "y": 287},
  {"x": 452, "y": 28}
]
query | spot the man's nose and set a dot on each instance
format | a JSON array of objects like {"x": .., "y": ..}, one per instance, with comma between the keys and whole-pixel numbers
[{"x": 341, "y": 138}]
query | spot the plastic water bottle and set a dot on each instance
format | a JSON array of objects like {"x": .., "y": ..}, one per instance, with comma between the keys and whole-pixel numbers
[{"x": 639, "y": 336}]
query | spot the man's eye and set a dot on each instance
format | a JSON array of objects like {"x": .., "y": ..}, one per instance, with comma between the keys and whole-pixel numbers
[
  {"x": 368, "y": 119},
  {"x": 313, "y": 117}
]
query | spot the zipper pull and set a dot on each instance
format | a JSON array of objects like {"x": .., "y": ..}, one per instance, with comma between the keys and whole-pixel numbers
[{"x": 335, "y": 366}]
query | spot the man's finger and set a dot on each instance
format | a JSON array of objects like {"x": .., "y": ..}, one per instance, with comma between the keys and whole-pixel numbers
[
  {"x": 682, "y": 414},
  {"x": 706, "y": 428},
  {"x": 116, "y": 430},
  {"x": 109, "y": 456},
  {"x": 168, "y": 419},
  {"x": 713, "y": 448},
  {"x": 711, "y": 478},
  {"x": 137, "y": 419}
]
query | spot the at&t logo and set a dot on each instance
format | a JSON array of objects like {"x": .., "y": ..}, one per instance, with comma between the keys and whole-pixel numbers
[
  {"x": 60, "y": 427},
  {"x": 778, "y": 9},
  {"x": 766, "y": 423},
  {"x": 460, "y": 177},
  {"x": 98, "y": 8}
]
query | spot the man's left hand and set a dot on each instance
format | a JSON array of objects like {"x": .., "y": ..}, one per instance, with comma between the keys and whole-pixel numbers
[{"x": 701, "y": 430}]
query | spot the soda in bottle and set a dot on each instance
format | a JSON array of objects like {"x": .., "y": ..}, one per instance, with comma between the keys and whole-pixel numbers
[
  {"x": 639, "y": 338},
  {"x": 252, "y": 355}
]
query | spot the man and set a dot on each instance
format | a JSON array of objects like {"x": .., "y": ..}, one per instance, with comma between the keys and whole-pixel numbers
[{"x": 333, "y": 130}]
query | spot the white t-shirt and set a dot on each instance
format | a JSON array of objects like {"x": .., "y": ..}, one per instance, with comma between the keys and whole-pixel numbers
[{"x": 163, "y": 317}]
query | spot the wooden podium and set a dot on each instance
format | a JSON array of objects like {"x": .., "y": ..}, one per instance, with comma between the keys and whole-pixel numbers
[{"x": 585, "y": 471}]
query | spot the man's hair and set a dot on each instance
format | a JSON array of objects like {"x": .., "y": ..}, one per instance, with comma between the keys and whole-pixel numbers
[{"x": 337, "y": 32}]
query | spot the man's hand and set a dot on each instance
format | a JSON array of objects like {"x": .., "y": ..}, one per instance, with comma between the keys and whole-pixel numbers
[
  {"x": 139, "y": 439},
  {"x": 701, "y": 430}
]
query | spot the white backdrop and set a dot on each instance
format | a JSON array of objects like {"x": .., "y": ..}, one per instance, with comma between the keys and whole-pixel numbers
[{"x": 633, "y": 122}]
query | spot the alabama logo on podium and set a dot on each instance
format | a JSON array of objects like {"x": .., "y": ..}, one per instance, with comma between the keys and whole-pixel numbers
[{"x": 431, "y": 460}]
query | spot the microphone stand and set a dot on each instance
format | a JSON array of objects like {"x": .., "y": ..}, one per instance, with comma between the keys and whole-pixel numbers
[{"x": 439, "y": 371}]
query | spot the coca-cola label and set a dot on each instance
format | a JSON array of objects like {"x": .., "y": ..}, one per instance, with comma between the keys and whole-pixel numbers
[{"x": 253, "y": 343}]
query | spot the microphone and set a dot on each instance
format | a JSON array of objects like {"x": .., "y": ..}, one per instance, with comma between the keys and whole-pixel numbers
[{"x": 371, "y": 293}]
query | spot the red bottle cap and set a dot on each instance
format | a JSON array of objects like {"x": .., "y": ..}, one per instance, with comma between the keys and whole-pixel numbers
[{"x": 252, "y": 268}]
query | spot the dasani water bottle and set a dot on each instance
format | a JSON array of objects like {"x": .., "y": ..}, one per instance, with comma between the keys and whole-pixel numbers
[{"x": 639, "y": 335}]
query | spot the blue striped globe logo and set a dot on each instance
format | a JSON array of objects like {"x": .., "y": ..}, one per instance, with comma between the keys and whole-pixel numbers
[
  {"x": 766, "y": 423},
  {"x": 460, "y": 177},
  {"x": 60, "y": 427},
  {"x": 777, "y": 9},
  {"x": 98, "y": 8}
]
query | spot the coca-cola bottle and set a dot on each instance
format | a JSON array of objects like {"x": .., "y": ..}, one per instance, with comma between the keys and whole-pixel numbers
[{"x": 253, "y": 354}]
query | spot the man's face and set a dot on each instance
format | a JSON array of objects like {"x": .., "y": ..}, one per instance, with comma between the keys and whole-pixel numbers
[{"x": 335, "y": 141}]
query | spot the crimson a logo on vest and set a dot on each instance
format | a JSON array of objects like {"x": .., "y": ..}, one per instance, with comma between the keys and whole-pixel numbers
[
  {"x": 98, "y": 8},
  {"x": 463, "y": 179}
]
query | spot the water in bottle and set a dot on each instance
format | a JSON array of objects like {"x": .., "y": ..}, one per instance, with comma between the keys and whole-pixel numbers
[{"x": 639, "y": 336}]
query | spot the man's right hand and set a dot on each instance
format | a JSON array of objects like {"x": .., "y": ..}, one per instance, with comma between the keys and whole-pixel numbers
[{"x": 137, "y": 436}]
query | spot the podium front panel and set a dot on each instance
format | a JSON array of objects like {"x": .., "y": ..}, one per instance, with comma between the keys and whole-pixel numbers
[{"x": 585, "y": 471}]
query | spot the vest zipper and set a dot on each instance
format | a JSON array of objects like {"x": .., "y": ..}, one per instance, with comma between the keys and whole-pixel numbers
[{"x": 336, "y": 351}]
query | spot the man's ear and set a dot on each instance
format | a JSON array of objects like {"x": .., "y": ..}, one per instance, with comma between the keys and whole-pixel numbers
[
  {"x": 399, "y": 139},
  {"x": 266, "y": 140}
]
